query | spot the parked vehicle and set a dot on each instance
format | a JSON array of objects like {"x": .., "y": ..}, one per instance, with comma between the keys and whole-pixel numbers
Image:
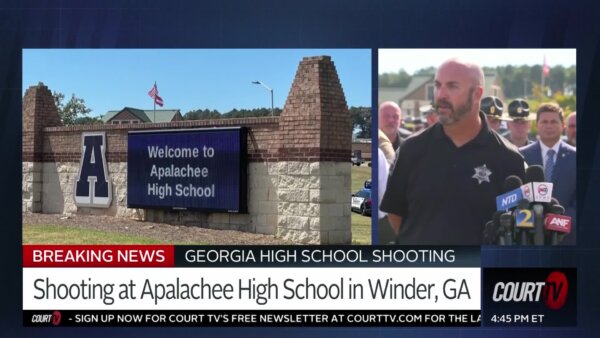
[
  {"x": 361, "y": 202},
  {"x": 357, "y": 161}
]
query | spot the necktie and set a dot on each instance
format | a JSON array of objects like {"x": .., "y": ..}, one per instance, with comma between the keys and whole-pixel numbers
[{"x": 549, "y": 167}]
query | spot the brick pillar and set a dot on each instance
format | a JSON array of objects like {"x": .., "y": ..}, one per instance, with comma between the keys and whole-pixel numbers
[
  {"x": 315, "y": 146},
  {"x": 39, "y": 111}
]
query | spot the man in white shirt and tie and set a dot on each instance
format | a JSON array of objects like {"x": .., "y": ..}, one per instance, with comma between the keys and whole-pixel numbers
[{"x": 557, "y": 157}]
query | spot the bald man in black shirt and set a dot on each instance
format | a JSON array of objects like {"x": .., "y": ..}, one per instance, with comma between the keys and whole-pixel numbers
[{"x": 443, "y": 187}]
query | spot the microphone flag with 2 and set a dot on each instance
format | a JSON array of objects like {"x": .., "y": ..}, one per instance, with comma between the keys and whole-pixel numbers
[{"x": 532, "y": 212}]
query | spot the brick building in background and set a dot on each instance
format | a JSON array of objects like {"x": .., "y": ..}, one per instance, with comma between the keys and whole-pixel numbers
[{"x": 130, "y": 115}]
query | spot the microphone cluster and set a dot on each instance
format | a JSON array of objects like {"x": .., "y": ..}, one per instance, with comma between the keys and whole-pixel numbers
[{"x": 527, "y": 214}]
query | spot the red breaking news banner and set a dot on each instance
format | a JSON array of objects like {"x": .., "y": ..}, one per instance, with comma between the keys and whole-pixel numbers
[{"x": 97, "y": 256}]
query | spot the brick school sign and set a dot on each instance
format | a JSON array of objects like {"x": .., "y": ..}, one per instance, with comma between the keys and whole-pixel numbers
[{"x": 296, "y": 166}]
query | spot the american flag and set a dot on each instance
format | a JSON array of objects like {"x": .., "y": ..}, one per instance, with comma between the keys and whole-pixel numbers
[{"x": 153, "y": 93}]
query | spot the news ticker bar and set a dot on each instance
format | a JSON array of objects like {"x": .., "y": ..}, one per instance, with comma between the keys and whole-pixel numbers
[
  {"x": 99, "y": 256},
  {"x": 289, "y": 318}
]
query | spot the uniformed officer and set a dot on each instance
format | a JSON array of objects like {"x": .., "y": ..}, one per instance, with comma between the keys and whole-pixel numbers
[
  {"x": 518, "y": 123},
  {"x": 428, "y": 112},
  {"x": 492, "y": 107},
  {"x": 443, "y": 187}
]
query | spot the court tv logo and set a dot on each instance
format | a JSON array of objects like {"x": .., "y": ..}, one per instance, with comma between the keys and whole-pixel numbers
[
  {"x": 54, "y": 318},
  {"x": 553, "y": 291}
]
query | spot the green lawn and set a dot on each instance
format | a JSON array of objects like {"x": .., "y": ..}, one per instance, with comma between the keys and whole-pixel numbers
[
  {"x": 359, "y": 175},
  {"x": 58, "y": 234},
  {"x": 361, "y": 229},
  {"x": 361, "y": 225}
]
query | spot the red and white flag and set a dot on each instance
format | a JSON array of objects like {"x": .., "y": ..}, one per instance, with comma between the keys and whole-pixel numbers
[
  {"x": 158, "y": 100},
  {"x": 545, "y": 68},
  {"x": 153, "y": 93}
]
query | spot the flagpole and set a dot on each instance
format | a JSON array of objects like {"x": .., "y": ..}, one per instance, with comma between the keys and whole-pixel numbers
[
  {"x": 154, "y": 99},
  {"x": 544, "y": 77},
  {"x": 543, "y": 84}
]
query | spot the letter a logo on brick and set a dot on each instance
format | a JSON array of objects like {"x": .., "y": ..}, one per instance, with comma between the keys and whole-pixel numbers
[{"x": 92, "y": 187}]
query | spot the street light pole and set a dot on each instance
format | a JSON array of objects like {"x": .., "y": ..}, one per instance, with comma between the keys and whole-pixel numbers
[
  {"x": 270, "y": 90},
  {"x": 272, "y": 109}
]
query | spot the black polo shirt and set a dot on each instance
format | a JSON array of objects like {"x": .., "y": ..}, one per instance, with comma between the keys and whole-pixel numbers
[{"x": 446, "y": 194}]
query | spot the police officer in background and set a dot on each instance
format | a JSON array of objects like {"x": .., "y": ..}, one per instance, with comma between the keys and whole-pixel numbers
[
  {"x": 428, "y": 112},
  {"x": 519, "y": 123},
  {"x": 492, "y": 107},
  {"x": 442, "y": 190}
]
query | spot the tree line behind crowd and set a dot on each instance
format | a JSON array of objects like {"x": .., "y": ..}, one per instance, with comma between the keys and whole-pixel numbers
[{"x": 516, "y": 81}]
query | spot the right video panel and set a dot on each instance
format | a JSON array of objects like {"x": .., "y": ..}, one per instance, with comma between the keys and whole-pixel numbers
[{"x": 477, "y": 146}]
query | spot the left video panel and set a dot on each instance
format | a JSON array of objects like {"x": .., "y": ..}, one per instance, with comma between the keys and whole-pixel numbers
[{"x": 293, "y": 175}]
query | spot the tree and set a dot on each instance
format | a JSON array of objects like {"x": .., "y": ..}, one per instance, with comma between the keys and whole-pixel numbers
[
  {"x": 88, "y": 120},
  {"x": 206, "y": 114},
  {"x": 72, "y": 110},
  {"x": 361, "y": 121},
  {"x": 567, "y": 102},
  {"x": 400, "y": 79},
  {"x": 426, "y": 71},
  {"x": 202, "y": 114},
  {"x": 520, "y": 81}
]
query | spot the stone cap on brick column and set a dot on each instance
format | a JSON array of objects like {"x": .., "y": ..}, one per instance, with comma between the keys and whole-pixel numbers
[{"x": 315, "y": 124}]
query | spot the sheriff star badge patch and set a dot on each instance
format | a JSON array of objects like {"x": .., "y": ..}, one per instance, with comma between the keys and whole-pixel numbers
[{"x": 482, "y": 174}]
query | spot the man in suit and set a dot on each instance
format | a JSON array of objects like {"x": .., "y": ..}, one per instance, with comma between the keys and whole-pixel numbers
[{"x": 557, "y": 157}]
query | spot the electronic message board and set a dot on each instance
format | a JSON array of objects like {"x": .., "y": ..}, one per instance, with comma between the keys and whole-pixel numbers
[{"x": 201, "y": 169}]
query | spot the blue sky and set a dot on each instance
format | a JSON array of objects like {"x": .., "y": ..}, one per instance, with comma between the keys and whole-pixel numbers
[
  {"x": 411, "y": 60},
  {"x": 187, "y": 79}
]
